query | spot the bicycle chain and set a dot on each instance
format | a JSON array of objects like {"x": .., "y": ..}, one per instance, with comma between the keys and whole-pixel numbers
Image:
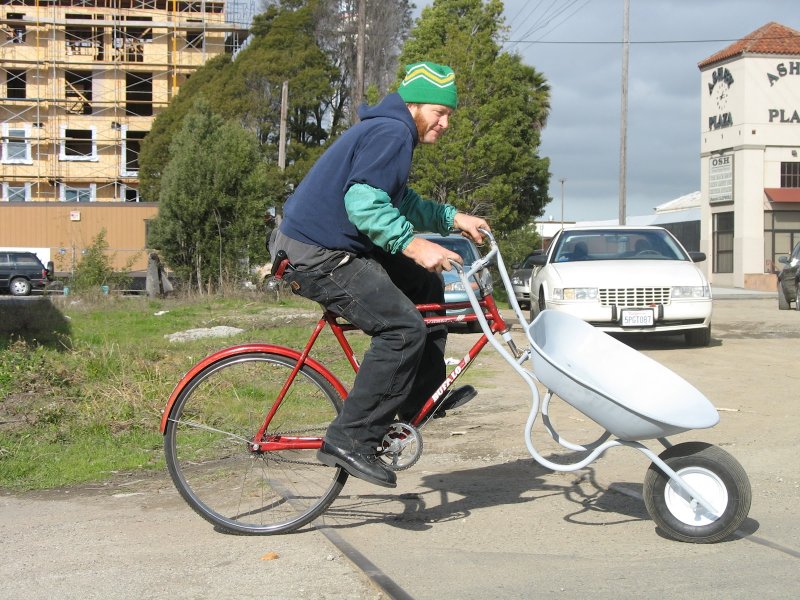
[{"x": 274, "y": 456}]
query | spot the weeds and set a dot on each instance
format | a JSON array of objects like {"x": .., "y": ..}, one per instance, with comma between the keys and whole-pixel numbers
[{"x": 90, "y": 405}]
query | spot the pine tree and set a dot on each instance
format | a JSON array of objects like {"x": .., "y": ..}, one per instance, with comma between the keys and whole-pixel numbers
[
  {"x": 488, "y": 162},
  {"x": 210, "y": 222}
]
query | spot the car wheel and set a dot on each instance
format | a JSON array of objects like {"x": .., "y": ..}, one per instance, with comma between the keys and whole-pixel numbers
[
  {"x": 783, "y": 303},
  {"x": 698, "y": 337},
  {"x": 20, "y": 287}
]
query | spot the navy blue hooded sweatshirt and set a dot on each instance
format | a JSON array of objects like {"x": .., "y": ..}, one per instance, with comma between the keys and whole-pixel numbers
[{"x": 377, "y": 152}]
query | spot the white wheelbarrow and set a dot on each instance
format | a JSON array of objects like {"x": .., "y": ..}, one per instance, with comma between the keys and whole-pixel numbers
[{"x": 694, "y": 491}]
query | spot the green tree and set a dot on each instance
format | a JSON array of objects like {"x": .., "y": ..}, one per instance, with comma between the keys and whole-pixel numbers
[
  {"x": 154, "y": 153},
  {"x": 95, "y": 269},
  {"x": 210, "y": 222},
  {"x": 488, "y": 162}
]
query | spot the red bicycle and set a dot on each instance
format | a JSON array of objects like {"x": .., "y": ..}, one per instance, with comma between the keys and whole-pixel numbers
[{"x": 242, "y": 428}]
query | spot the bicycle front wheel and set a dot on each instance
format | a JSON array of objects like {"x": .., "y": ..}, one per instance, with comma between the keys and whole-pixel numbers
[{"x": 208, "y": 439}]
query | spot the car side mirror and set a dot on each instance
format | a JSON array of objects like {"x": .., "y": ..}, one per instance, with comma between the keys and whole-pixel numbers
[
  {"x": 784, "y": 260},
  {"x": 697, "y": 256},
  {"x": 539, "y": 260}
]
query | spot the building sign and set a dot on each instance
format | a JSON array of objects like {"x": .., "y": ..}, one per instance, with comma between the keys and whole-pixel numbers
[
  {"x": 720, "y": 179},
  {"x": 784, "y": 115},
  {"x": 719, "y": 90}
]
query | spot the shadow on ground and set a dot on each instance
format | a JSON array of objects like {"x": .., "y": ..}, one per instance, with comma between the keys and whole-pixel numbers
[{"x": 35, "y": 320}]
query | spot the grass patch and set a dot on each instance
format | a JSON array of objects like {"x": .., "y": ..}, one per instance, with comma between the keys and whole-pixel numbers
[
  {"x": 84, "y": 402},
  {"x": 84, "y": 379}
]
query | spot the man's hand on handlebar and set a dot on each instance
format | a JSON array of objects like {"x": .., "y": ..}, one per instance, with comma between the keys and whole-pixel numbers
[
  {"x": 470, "y": 226},
  {"x": 431, "y": 256}
]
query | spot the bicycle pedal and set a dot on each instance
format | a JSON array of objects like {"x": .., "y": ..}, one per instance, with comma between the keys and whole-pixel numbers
[{"x": 458, "y": 397}]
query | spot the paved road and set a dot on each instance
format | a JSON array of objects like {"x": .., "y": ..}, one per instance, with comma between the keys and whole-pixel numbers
[{"x": 475, "y": 518}]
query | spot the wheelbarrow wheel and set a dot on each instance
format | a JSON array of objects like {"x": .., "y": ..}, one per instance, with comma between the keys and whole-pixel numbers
[{"x": 711, "y": 472}]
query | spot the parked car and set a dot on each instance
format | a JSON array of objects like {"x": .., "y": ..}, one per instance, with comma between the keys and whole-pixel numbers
[
  {"x": 625, "y": 279},
  {"x": 21, "y": 272},
  {"x": 453, "y": 288},
  {"x": 789, "y": 280},
  {"x": 521, "y": 279}
]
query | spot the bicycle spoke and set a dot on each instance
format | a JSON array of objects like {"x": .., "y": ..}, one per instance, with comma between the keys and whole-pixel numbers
[{"x": 211, "y": 457}]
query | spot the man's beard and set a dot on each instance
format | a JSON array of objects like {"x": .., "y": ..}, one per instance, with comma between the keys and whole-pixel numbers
[{"x": 422, "y": 126}]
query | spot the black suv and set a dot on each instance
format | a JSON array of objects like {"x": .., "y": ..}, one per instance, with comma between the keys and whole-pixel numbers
[{"x": 21, "y": 272}]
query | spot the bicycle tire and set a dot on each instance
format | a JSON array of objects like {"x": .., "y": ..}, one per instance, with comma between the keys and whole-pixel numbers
[{"x": 211, "y": 425}]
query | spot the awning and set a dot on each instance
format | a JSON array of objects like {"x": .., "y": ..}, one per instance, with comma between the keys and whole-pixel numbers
[{"x": 782, "y": 194}]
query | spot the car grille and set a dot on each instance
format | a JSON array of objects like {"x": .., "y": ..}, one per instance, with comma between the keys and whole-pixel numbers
[{"x": 644, "y": 296}]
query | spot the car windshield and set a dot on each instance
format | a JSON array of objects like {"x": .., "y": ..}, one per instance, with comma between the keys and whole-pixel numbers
[
  {"x": 528, "y": 262},
  {"x": 459, "y": 245},
  {"x": 611, "y": 244}
]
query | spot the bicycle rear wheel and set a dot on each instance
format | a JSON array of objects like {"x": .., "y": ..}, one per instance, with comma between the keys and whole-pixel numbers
[{"x": 207, "y": 445}]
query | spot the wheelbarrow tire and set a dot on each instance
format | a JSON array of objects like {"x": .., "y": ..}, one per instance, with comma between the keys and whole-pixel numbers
[{"x": 712, "y": 472}]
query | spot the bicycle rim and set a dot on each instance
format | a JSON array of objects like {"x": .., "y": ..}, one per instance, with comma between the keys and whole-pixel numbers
[{"x": 208, "y": 456}]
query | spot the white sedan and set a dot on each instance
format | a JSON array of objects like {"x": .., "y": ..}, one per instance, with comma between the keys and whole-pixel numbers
[{"x": 624, "y": 279}]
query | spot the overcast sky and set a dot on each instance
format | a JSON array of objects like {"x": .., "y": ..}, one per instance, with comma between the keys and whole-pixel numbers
[{"x": 582, "y": 138}]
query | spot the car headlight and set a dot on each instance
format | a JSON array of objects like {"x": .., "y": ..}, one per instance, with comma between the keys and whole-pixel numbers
[
  {"x": 458, "y": 286},
  {"x": 575, "y": 294},
  {"x": 688, "y": 292},
  {"x": 455, "y": 286},
  {"x": 516, "y": 280}
]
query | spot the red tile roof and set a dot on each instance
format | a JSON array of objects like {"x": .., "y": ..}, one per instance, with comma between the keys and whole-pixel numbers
[
  {"x": 772, "y": 38},
  {"x": 783, "y": 194}
]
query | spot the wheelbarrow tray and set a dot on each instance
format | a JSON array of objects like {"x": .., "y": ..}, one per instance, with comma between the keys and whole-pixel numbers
[{"x": 629, "y": 394}]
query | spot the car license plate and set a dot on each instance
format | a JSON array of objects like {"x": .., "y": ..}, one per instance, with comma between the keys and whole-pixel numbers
[{"x": 638, "y": 318}]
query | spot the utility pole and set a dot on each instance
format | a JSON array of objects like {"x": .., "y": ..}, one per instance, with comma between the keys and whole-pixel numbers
[
  {"x": 282, "y": 135},
  {"x": 623, "y": 130},
  {"x": 562, "y": 180},
  {"x": 358, "y": 88}
]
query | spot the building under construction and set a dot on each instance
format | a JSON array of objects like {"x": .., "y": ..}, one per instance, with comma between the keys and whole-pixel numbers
[{"x": 80, "y": 84}]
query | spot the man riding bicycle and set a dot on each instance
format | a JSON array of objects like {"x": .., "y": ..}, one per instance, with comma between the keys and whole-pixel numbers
[{"x": 348, "y": 231}]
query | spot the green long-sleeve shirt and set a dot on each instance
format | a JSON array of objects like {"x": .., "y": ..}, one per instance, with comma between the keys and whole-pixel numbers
[{"x": 392, "y": 228}]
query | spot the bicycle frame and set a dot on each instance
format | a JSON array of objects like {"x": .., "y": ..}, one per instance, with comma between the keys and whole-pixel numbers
[{"x": 263, "y": 442}]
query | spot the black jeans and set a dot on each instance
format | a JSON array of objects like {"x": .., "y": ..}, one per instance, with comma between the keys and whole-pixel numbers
[{"x": 405, "y": 361}]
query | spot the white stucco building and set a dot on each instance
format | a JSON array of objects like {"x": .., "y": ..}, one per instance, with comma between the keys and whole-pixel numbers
[{"x": 750, "y": 157}]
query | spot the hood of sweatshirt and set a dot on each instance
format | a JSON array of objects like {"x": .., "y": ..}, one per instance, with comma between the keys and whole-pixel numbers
[{"x": 392, "y": 107}]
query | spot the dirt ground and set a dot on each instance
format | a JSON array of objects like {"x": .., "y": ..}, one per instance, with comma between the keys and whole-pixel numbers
[{"x": 475, "y": 518}]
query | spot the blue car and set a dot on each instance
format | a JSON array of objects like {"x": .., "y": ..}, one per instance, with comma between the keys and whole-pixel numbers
[{"x": 453, "y": 287}]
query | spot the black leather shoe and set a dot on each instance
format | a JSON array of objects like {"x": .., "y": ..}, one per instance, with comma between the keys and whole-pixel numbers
[{"x": 363, "y": 466}]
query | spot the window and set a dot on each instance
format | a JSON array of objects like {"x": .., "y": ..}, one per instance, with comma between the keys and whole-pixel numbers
[
  {"x": 78, "y": 144},
  {"x": 78, "y": 92},
  {"x": 194, "y": 39},
  {"x": 16, "y": 192},
  {"x": 139, "y": 94},
  {"x": 69, "y": 193},
  {"x": 723, "y": 242},
  {"x": 131, "y": 194},
  {"x": 16, "y": 144},
  {"x": 17, "y": 35},
  {"x": 15, "y": 83},
  {"x": 781, "y": 233},
  {"x": 131, "y": 146},
  {"x": 790, "y": 174}
]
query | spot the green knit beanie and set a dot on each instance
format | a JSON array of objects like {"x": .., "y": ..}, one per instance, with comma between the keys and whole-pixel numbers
[{"x": 429, "y": 83}]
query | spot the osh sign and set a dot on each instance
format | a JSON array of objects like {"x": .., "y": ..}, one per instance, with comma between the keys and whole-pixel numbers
[{"x": 720, "y": 179}]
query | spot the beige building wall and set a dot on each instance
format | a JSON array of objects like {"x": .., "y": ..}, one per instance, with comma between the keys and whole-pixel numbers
[
  {"x": 67, "y": 229},
  {"x": 750, "y": 131}
]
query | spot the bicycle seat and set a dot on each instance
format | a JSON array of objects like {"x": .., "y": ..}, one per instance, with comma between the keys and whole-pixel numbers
[{"x": 280, "y": 264}]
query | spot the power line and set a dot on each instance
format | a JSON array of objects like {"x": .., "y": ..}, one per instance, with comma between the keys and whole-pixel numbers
[{"x": 643, "y": 42}]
